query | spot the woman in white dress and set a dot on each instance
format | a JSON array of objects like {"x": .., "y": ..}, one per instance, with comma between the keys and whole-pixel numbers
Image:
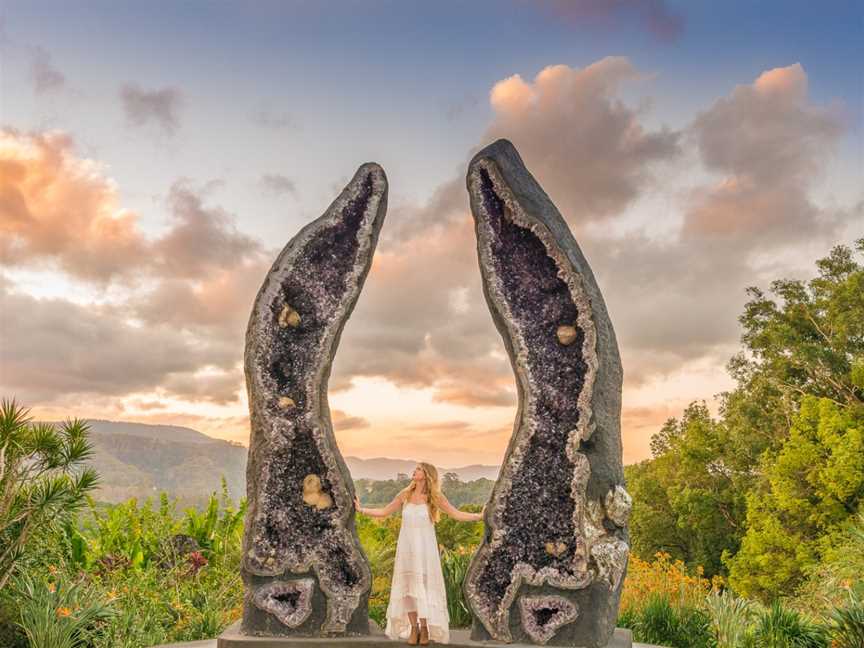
[{"x": 417, "y": 589}]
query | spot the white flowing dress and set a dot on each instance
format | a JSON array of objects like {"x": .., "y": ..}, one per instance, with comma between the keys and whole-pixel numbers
[{"x": 418, "y": 582}]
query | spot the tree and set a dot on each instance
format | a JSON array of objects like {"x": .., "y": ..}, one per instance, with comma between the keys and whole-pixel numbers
[
  {"x": 796, "y": 418},
  {"x": 42, "y": 480},
  {"x": 813, "y": 485},
  {"x": 715, "y": 488},
  {"x": 686, "y": 499}
]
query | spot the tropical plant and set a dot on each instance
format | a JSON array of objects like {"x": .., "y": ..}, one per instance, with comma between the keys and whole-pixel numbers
[
  {"x": 454, "y": 564},
  {"x": 59, "y": 614},
  {"x": 660, "y": 622},
  {"x": 846, "y": 623},
  {"x": 219, "y": 525},
  {"x": 42, "y": 480},
  {"x": 779, "y": 626},
  {"x": 732, "y": 619}
]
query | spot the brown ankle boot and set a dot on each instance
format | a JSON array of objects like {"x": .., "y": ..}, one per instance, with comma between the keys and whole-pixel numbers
[
  {"x": 424, "y": 635},
  {"x": 415, "y": 634}
]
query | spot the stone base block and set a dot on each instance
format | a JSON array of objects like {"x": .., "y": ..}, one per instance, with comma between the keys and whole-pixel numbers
[{"x": 232, "y": 638}]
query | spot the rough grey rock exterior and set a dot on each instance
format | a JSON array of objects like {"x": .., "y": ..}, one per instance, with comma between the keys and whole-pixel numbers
[
  {"x": 304, "y": 571},
  {"x": 556, "y": 523}
]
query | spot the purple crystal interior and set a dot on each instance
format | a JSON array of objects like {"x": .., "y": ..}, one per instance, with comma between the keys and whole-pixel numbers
[{"x": 538, "y": 505}]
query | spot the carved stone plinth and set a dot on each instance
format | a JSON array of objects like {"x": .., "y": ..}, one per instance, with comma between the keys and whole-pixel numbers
[{"x": 234, "y": 638}]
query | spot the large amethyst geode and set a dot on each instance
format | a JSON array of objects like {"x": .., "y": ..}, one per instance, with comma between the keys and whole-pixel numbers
[
  {"x": 303, "y": 567},
  {"x": 556, "y": 523}
]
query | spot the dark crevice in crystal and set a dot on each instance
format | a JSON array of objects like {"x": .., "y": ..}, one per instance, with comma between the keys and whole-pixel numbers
[
  {"x": 543, "y": 615},
  {"x": 288, "y": 598}
]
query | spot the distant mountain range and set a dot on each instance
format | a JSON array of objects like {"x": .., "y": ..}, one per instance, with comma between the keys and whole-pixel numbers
[
  {"x": 382, "y": 468},
  {"x": 139, "y": 460}
]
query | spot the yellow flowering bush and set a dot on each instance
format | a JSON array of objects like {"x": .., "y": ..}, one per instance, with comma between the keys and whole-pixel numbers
[{"x": 682, "y": 586}]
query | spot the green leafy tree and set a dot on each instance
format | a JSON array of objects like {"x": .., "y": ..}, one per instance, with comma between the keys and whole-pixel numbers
[
  {"x": 686, "y": 499},
  {"x": 699, "y": 494},
  {"x": 796, "y": 418},
  {"x": 42, "y": 479},
  {"x": 813, "y": 485}
]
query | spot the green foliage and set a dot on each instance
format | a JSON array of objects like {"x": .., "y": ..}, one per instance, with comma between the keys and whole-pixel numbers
[
  {"x": 688, "y": 500},
  {"x": 659, "y": 622},
  {"x": 841, "y": 567},
  {"x": 454, "y": 565},
  {"x": 124, "y": 555},
  {"x": 216, "y": 529},
  {"x": 59, "y": 614},
  {"x": 813, "y": 483},
  {"x": 846, "y": 622},
  {"x": 42, "y": 481},
  {"x": 732, "y": 619},
  {"x": 761, "y": 493},
  {"x": 808, "y": 344},
  {"x": 783, "y": 627}
]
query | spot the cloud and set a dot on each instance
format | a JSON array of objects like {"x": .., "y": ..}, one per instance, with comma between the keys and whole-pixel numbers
[
  {"x": 159, "y": 106},
  {"x": 441, "y": 425},
  {"x": 45, "y": 76},
  {"x": 342, "y": 422},
  {"x": 60, "y": 209},
  {"x": 201, "y": 240},
  {"x": 278, "y": 184},
  {"x": 57, "y": 207},
  {"x": 589, "y": 148},
  {"x": 652, "y": 15},
  {"x": 54, "y": 349},
  {"x": 188, "y": 292},
  {"x": 422, "y": 320},
  {"x": 408, "y": 327},
  {"x": 769, "y": 144}
]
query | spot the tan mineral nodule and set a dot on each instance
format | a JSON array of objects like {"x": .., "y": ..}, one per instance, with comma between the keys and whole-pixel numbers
[
  {"x": 285, "y": 402},
  {"x": 312, "y": 493},
  {"x": 555, "y": 548},
  {"x": 289, "y": 317},
  {"x": 566, "y": 334}
]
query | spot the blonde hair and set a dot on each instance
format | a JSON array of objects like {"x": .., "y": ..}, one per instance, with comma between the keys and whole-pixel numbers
[{"x": 432, "y": 486}]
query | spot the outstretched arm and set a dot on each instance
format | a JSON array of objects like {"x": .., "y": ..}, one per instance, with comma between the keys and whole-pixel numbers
[
  {"x": 456, "y": 514},
  {"x": 378, "y": 512}
]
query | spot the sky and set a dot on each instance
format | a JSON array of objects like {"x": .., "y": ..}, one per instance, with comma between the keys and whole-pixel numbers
[{"x": 156, "y": 157}]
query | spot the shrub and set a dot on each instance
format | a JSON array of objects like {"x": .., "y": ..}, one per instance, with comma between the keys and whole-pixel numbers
[
  {"x": 782, "y": 627},
  {"x": 732, "y": 619},
  {"x": 59, "y": 613},
  {"x": 846, "y": 623},
  {"x": 660, "y": 622},
  {"x": 668, "y": 578},
  {"x": 42, "y": 481},
  {"x": 454, "y": 564}
]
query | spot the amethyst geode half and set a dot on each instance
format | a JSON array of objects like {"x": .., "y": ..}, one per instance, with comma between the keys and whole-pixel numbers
[
  {"x": 303, "y": 568},
  {"x": 556, "y": 522}
]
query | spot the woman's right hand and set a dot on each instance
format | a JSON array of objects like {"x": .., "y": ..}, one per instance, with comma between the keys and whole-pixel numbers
[{"x": 356, "y": 504}]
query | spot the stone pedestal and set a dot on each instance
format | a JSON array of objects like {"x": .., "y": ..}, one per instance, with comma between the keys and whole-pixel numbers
[{"x": 233, "y": 638}]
